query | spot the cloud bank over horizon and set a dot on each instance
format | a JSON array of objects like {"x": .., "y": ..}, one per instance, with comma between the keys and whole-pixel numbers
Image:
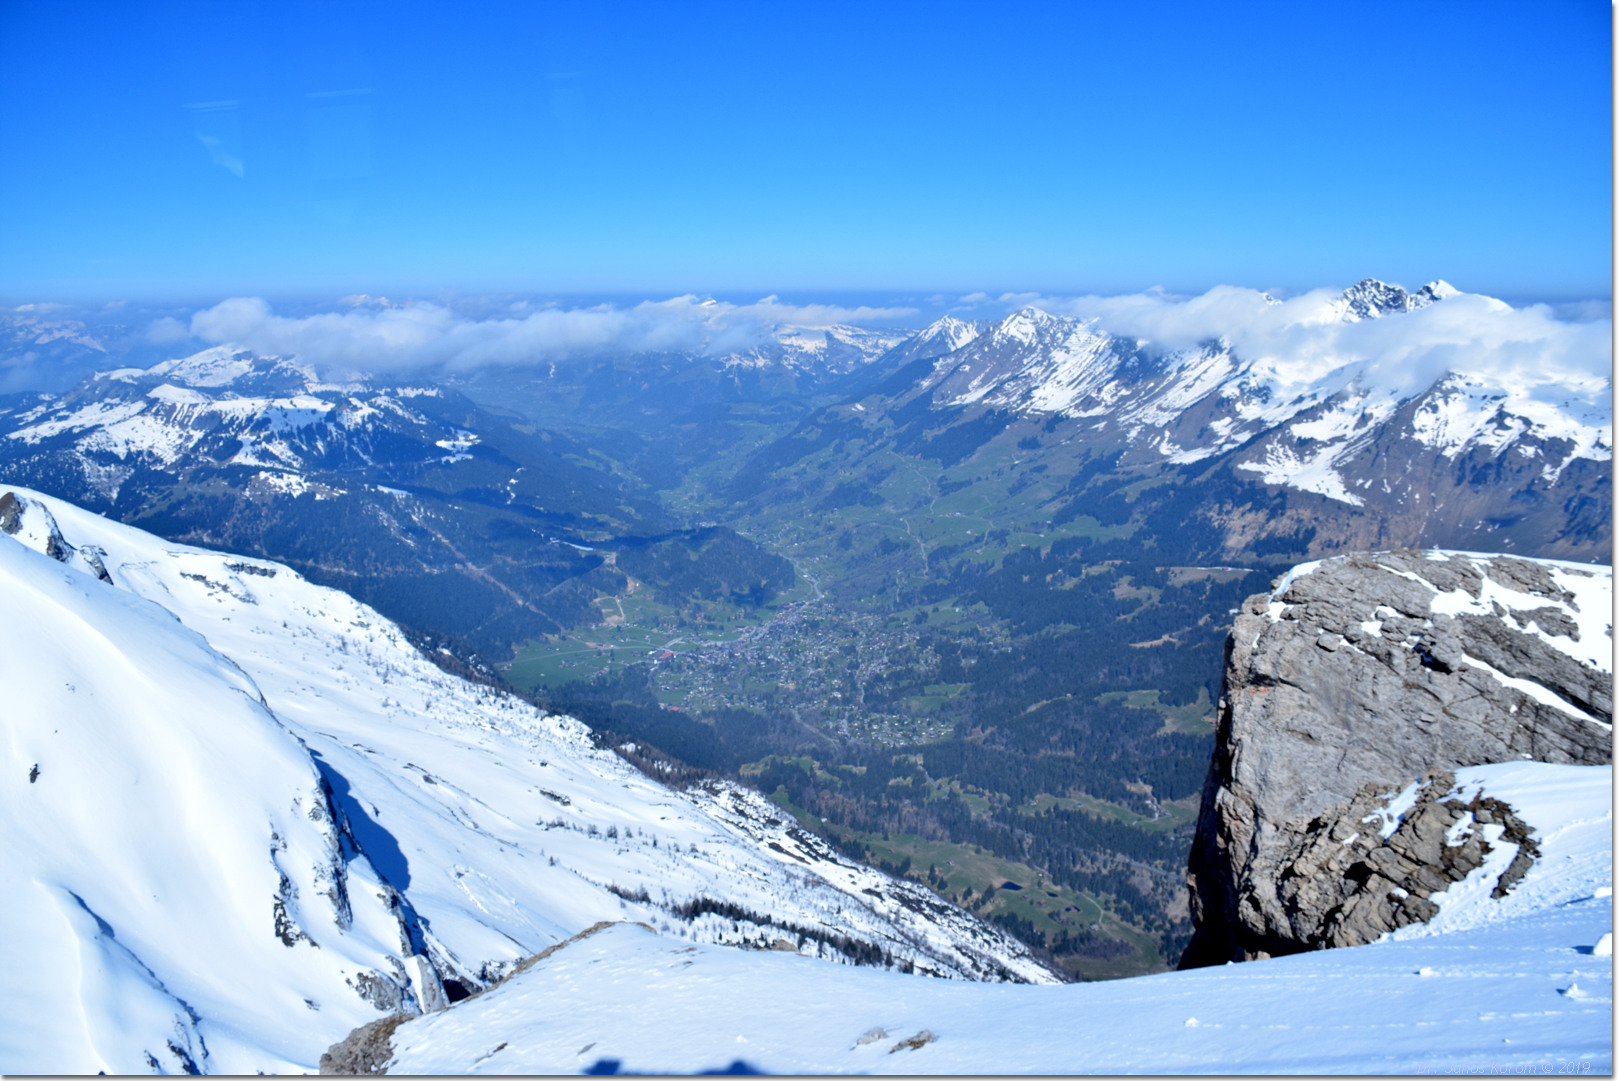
[
  {"x": 376, "y": 335},
  {"x": 1294, "y": 342}
]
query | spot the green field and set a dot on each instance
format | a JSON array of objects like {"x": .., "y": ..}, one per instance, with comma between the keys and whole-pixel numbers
[{"x": 1196, "y": 719}]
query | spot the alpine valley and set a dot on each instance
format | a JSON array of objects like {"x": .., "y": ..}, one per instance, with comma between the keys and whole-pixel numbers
[{"x": 951, "y": 602}]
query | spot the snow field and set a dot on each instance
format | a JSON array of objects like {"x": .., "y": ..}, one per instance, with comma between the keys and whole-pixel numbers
[{"x": 1521, "y": 984}]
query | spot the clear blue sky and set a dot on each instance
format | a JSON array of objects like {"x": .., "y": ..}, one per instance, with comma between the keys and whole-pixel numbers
[{"x": 199, "y": 150}]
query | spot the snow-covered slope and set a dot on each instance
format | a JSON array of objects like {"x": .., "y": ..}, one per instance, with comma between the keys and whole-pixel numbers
[
  {"x": 175, "y": 886},
  {"x": 243, "y": 815},
  {"x": 1519, "y": 985}
]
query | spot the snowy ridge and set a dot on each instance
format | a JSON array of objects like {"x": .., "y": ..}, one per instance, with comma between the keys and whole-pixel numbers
[
  {"x": 221, "y": 407},
  {"x": 1031, "y": 360},
  {"x": 937, "y": 928},
  {"x": 818, "y": 350},
  {"x": 1519, "y": 985},
  {"x": 1306, "y": 400},
  {"x": 393, "y": 837}
]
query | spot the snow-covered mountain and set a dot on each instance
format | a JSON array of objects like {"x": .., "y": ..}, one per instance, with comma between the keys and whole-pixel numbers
[
  {"x": 244, "y": 815},
  {"x": 819, "y": 352},
  {"x": 226, "y": 407},
  {"x": 1372, "y": 299},
  {"x": 1308, "y": 422},
  {"x": 455, "y": 520}
]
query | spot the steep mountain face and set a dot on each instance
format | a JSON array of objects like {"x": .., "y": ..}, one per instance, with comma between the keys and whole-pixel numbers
[
  {"x": 1302, "y": 451},
  {"x": 244, "y": 815},
  {"x": 1352, "y": 692},
  {"x": 1371, "y": 299}
]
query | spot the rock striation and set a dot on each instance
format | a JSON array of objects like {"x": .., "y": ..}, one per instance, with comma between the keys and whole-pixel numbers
[{"x": 1329, "y": 815}]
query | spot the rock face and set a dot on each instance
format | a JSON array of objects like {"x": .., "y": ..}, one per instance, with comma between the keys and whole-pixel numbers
[{"x": 1328, "y": 816}]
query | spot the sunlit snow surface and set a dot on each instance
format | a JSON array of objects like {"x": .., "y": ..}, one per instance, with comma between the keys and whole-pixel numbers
[
  {"x": 173, "y": 864},
  {"x": 1493, "y": 985}
]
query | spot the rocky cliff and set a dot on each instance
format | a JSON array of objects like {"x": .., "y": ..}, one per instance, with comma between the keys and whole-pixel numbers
[{"x": 1351, "y": 690}]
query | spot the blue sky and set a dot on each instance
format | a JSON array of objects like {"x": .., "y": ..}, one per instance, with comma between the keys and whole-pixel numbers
[{"x": 189, "y": 152}]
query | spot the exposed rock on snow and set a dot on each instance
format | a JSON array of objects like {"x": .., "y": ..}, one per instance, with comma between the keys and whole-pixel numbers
[
  {"x": 364, "y": 1051},
  {"x": 1346, "y": 688}
]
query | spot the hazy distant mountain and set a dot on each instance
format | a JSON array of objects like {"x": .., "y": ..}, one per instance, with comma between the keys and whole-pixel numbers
[{"x": 450, "y": 518}]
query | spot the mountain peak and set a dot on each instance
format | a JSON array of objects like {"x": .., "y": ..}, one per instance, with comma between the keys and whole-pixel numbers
[
  {"x": 1438, "y": 289},
  {"x": 223, "y": 366},
  {"x": 1370, "y": 298},
  {"x": 950, "y": 331},
  {"x": 1026, "y": 324}
]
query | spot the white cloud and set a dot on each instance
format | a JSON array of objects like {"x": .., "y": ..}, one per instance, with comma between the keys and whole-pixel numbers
[{"x": 371, "y": 337}]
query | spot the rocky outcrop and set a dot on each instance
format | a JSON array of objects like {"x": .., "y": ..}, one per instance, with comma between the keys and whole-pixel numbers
[
  {"x": 34, "y": 521},
  {"x": 366, "y": 1050},
  {"x": 1328, "y": 816}
]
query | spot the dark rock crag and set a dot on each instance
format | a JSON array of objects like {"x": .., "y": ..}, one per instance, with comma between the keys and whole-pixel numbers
[{"x": 1344, "y": 689}]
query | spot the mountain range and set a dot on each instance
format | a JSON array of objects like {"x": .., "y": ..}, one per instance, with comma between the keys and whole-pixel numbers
[
  {"x": 1309, "y": 451},
  {"x": 958, "y": 597}
]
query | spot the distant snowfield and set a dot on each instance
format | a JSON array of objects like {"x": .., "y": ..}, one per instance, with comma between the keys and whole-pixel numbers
[{"x": 183, "y": 787}]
